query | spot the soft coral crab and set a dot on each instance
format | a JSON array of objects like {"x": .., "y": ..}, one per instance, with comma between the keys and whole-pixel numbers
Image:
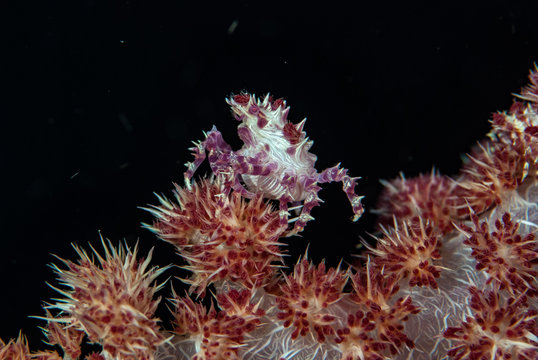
[{"x": 274, "y": 160}]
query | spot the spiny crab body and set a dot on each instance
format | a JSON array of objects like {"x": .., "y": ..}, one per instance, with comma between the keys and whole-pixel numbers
[{"x": 274, "y": 160}]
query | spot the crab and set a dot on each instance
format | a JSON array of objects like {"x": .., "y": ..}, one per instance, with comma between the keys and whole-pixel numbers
[{"x": 274, "y": 161}]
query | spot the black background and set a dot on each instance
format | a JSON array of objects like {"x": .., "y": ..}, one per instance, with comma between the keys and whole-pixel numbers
[{"x": 102, "y": 99}]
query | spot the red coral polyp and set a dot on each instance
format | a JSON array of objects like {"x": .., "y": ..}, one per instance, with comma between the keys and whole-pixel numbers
[
  {"x": 306, "y": 295},
  {"x": 377, "y": 327},
  {"x": 428, "y": 197},
  {"x": 492, "y": 172},
  {"x": 220, "y": 236},
  {"x": 509, "y": 257},
  {"x": 409, "y": 251},
  {"x": 496, "y": 329},
  {"x": 112, "y": 302},
  {"x": 217, "y": 334}
]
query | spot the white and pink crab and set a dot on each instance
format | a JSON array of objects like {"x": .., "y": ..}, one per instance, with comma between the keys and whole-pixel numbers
[{"x": 274, "y": 160}]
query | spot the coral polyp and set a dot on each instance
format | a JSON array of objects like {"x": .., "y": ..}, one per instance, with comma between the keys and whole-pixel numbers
[
  {"x": 111, "y": 302},
  {"x": 506, "y": 254},
  {"x": 496, "y": 329},
  {"x": 374, "y": 327},
  {"x": 306, "y": 295},
  {"x": 427, "y": 197},
  {"x": 216, "y": 334},
  {"x": 409, "y": 251},
  {"x": 221, "y": 236},
  {"x": 489, "y": 177}
]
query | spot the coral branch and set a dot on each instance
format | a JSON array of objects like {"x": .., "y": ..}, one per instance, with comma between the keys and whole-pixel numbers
[
  {"x": 112, "y": 302},
  {"x": 452, "y": 273}
]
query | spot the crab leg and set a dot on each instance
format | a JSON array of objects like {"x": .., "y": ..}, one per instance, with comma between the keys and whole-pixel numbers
[{"x": 338, "y": 174}]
